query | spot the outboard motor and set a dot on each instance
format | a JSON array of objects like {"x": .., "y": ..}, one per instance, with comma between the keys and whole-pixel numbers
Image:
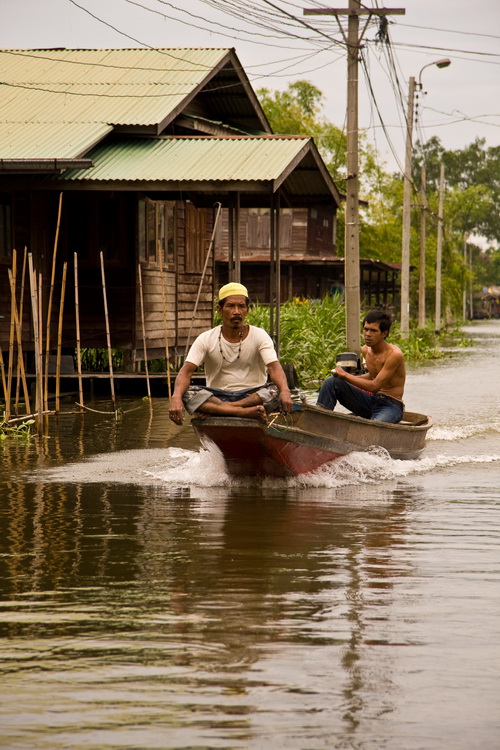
[{"x": 349, "y": 361}]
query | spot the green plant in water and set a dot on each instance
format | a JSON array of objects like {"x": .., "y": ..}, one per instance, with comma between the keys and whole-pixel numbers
[{"x": 21, "y": 430}]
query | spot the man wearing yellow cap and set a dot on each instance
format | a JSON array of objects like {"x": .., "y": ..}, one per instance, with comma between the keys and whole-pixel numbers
[{"x": 237, "y": 358}]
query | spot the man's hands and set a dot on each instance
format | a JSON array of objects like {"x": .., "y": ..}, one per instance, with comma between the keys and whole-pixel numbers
[
  {"x": 285, "y": 399},
  {"x": 339, "y": 372},
  {"x": 176, "y": 411}
]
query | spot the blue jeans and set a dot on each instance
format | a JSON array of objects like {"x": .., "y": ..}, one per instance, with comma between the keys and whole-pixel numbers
[
  {"x": 196, "y": 395},
  {"x": 368, "y": 405}
]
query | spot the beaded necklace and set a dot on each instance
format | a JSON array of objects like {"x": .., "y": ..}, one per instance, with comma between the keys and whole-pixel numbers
[{"x": 239, "y": 347}]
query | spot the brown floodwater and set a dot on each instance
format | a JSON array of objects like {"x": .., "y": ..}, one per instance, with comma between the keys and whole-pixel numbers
[{"x": 147, "y": 600}]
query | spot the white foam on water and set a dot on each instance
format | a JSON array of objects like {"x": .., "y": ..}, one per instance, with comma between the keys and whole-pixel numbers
[
  {"x": 206, "y": 469},
  {"x": 186, "y": 468},
  {"x": 461, "y": 432}
]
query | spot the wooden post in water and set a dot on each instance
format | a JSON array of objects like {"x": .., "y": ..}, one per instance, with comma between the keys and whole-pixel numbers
[
  {"x": 59, "y": 336},
  {"x": 108, "y": 336},
  {"x": 20, "y": 361},
  {"x": 11, "y": 339},
  {"x": 165, "y": 328},
  {"x": 49, "y": 306},
  {"x": 77, "y": 319},
  {"x": 36, "y": 331},
  {"x": 19, "y": 354},
  {"x": 40, "y": 320},
  {"x": 143, "y": 330},
  {"x": 2, "y": 373}
]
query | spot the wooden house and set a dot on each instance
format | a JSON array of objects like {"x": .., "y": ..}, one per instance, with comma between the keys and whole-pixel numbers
[
  {"x": 310, "y": 265},
  {"x": 118, "y": 161}
]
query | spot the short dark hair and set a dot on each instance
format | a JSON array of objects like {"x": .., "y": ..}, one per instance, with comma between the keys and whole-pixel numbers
[{"x": 380, "y": 317}]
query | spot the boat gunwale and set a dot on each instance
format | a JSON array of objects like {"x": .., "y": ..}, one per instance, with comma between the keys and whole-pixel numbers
[{"x": 222, "y": 420}]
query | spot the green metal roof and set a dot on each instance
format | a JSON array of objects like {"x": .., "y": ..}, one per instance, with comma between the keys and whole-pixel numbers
[
  {"x": 211, "y": 164},
  {"x": 42, "y": 140},
  {"x": 44, "y": 93},
  {"x": 196, "y": 158}
]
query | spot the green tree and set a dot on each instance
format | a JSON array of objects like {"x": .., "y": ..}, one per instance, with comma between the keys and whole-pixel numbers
[
  {"x": 297, "y": 111},
  {"x": 474, "y": 167}
]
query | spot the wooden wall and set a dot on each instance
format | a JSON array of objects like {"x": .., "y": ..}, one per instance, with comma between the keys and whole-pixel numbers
[
  {"x": 34, "y": 225},
  {"x": 178, "y": 295}
]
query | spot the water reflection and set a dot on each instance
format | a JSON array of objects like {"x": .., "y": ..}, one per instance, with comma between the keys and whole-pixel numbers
[
  {"x": 200, "y": 588},
  {"x": 160, "y": 612}
]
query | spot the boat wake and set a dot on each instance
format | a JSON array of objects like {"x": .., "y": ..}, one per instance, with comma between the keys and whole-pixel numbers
[
  {"x": 177, "y": 467},
  {"x": 206, "y": 469},
  {"x": 462, "y": 432}
]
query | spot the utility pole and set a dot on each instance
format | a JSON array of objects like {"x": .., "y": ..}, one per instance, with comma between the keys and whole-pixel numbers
[
  {"x": 352, "y": 40},
  {"x": 439, "y": 253},
  {"x": 421, "y": 279},
  {"x": 464, "y": 293},
  {"x": 405, "y": 253}
]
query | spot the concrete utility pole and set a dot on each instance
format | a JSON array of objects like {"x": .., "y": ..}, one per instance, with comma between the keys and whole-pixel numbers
[
  {"x": 421, "y": 279},
  {"x": 439, "y": 253},
  {"x": 405, "y": 250},
  {"x": 353, "y": 42},
  {"x": 405, "y": 245}
]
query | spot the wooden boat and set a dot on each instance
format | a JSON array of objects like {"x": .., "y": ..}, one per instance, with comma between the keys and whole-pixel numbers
[{"x": 309, "y": 437}]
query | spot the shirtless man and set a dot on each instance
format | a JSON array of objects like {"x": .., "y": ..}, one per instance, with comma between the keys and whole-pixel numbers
[
  {"x": 237, "y": 358},
  {"x": 378, "y": 394}
]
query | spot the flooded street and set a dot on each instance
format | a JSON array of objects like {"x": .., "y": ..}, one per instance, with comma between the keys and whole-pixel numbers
[{"x": 149, "y": 601}]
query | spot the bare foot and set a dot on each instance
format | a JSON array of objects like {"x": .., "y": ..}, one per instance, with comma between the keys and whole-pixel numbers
[
  {"x": 256, "y": 412},
  {"x": 247, "y": 412},
  {"x": 231, "y": 410}
]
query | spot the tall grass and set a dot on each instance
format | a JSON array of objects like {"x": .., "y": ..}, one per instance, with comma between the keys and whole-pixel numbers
[{"x": 312, "y": 334}]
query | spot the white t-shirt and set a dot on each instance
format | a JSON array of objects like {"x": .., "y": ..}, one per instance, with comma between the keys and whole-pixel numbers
[{"x": 227, "y": 370}]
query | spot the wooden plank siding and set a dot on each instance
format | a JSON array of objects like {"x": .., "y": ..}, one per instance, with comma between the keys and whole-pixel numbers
[
  {"x": 181, "y": 289},
  {"x": 85, "y": 221}
]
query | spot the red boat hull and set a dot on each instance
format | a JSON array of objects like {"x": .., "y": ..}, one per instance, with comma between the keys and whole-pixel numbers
[
  {"x": 249, "y": 450},
  {"x": 305, "y": 440}
]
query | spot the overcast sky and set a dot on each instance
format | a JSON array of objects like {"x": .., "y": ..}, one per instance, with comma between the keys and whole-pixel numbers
[{"x": 458, "y": 103}]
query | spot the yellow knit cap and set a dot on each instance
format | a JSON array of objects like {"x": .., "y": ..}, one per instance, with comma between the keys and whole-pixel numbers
[{"x": 232, "y": 288}]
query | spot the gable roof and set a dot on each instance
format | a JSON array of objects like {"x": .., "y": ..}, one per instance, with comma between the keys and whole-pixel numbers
[
  {"x": 73, "y": 98},
  {"x": 119, "y": 117},
  {"x": 257, "y": 166}
]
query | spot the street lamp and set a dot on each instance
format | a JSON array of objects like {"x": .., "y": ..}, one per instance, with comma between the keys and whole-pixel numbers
[
  {"x": 443, "y": 63},
  {"x": 405, "y": 253}
]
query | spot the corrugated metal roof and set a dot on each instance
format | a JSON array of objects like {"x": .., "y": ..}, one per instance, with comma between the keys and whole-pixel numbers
[
  {"x": 38, "y": 141},
  {"x": 192, "y": 159},
  {"x": 124, "y": 87}
]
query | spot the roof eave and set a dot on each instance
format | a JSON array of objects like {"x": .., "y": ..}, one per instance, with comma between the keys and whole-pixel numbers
[{"x": 56, "y": 165}]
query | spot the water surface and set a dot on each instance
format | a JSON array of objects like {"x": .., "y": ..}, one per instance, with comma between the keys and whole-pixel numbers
[{"x": 149, "y": 601}]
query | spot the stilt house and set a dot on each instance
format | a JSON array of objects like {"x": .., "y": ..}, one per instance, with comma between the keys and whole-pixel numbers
[{"x": 116, "y": 163}]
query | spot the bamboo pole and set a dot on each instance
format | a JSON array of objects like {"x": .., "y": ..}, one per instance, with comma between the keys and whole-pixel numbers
[
  {"x": 59, "y": 336},
  {"x": 49, "y": 305},
  {"x": 38, "y": 368},
  {"x": 11, "y": 339},
  {"x": 203, "y": 276},
  {"x": 2, "y": 373},
  {"x": 19, "y": 353},
  {"x": 78, "y": 350},
  {"x": 20, "y": 359},
  {"x": 108, "y": 337},
  {"x": 144, "y": 330},
  {"x": 165, "y": 326},
  {"x": 43, "y": 407}
]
